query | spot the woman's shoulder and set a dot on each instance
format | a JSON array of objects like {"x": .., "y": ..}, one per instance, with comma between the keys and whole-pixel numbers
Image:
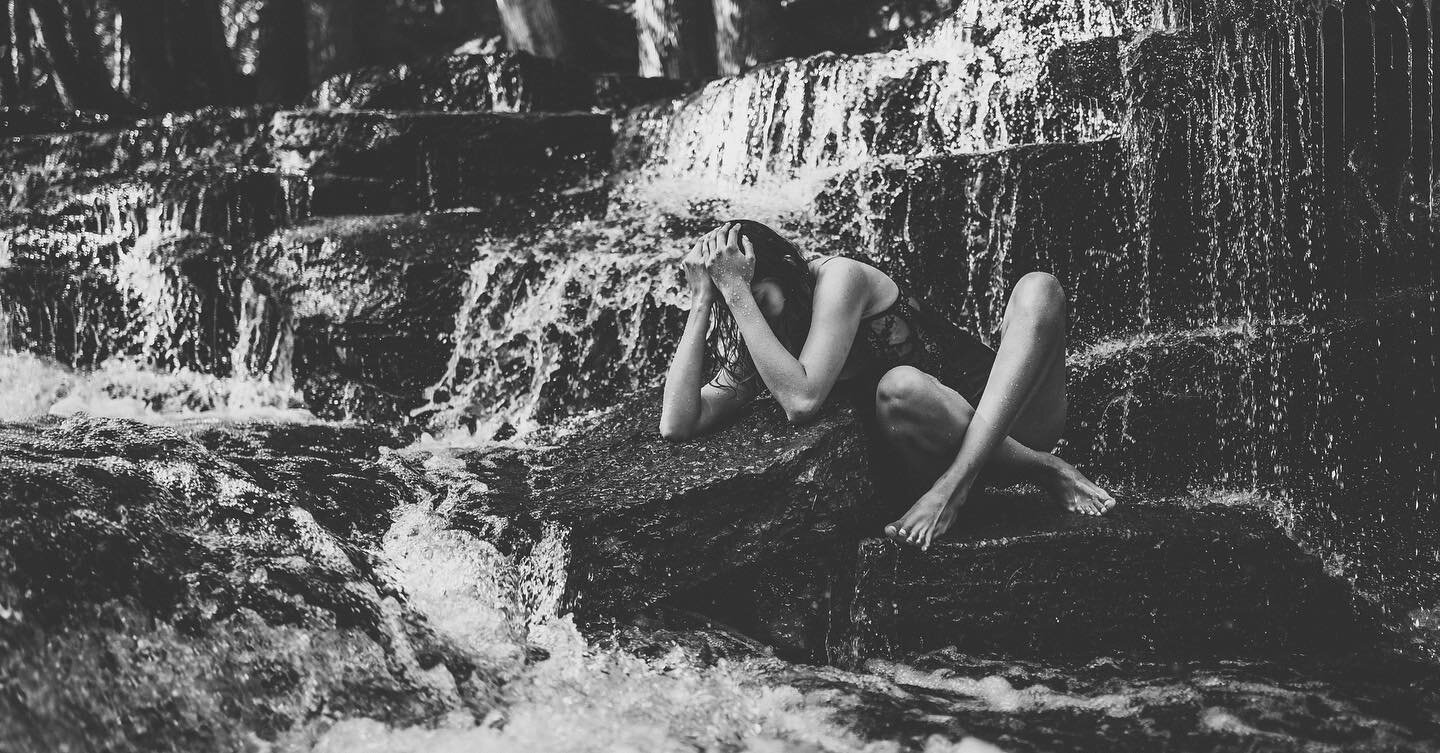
[
  {"x": 823, "y": 263},
  {"x": 851, "y": 277}
]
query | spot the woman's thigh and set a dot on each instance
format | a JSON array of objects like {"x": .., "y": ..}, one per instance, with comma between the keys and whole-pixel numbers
[{"x": 923, "y": 418}]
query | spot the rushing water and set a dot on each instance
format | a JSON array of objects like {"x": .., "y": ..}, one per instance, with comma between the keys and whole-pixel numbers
[{"x": 1233, "y": 337}]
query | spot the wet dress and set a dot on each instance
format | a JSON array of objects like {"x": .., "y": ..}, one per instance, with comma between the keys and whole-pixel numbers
[{"x": 907, "y": 334}]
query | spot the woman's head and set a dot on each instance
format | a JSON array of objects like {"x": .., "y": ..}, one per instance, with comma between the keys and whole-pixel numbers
[{"x": 783, "y": 288}]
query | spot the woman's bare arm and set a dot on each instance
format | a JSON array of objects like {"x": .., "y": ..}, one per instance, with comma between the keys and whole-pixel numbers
[
  {"x": 801, "y": 385},
  {"x": 689, "y": 408}
]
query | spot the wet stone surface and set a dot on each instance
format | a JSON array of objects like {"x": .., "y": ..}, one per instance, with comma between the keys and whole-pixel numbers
[
  {"x": 962, "y": 229},
  {"x": 503, "y": 82},
  {"x": 150, "y": 579},
  {"x": 373, "y": 300},
  {"x": 1147, "y": 578},
  {"x": 375, "y": 162},
  {"x": 647, "y": 518}
]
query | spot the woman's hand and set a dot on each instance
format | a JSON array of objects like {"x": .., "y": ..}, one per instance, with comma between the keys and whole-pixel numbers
[
  {"x": 697, "y": 274},
  {"x": 732, "y": 260}
]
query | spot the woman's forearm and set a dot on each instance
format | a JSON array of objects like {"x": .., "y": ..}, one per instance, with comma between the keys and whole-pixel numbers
[
  {"x": 782, "y": 373},
  {"x": 682, "y": 407}
]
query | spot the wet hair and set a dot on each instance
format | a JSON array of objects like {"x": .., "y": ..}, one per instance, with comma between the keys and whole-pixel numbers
[{"x": 781, "y": 261}]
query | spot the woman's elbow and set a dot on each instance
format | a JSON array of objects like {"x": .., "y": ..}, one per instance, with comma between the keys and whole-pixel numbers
[
  {"x": 802, "y": 411},
  {"x": 674, "y": 433}
]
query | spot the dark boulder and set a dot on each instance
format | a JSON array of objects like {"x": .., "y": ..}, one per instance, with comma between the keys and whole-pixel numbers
[
  {"x": 372, "y": 301},
  {"x": 367, "y": 162},
  {"x": 1163, "y": 577},
  {"x": 646, "y": 518},
  {"x": 150, "y": 579}
]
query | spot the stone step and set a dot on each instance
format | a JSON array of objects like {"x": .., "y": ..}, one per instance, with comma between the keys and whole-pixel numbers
[
  {"x": 1254, "y": 403},
  {"x": 213, "y": 138},
  {"x": 86, "y": 222},
  {"x": 789, "y": 118},
  {"x": 961, "y": 229},
  {"x": 373, "y": 302},
  {"x": 516, "y": 165},
  {"x": 170, "y": 303},
  {"x": 1158, "y": 577},
  {"x": 499, "y": 82}
]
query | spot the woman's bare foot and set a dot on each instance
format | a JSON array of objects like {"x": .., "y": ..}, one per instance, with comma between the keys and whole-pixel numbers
[
  {"x": 928, "y": 518},
  {"x": 1074, "y": 492}
]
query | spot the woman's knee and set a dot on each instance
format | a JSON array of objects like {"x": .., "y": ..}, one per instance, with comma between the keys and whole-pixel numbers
[
  {"x": 1039, "y": 294},
  {"x": 900, "y": 388}
]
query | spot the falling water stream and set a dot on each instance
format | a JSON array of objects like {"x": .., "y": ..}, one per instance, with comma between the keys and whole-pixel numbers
[{"x": 1246, "y": 235}]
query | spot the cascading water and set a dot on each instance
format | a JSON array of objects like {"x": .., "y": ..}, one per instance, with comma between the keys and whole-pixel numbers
[{"x": 1250, "y": 261}]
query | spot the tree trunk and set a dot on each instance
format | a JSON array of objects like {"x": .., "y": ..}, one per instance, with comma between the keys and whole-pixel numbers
[
  {"x": 747, "y": 33},
  {"x": 282, "y": 64},
  {"x": 12, "y": 46},
  {"x": 537, "y": 27},
  {"x": 181, "y": 57},
  {"x": 68, "y": 31},
  {"x": 334, "y": 33},
  {"x": 677, "y": 38}
]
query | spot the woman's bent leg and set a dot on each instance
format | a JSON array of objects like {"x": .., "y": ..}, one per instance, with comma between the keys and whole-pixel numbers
[{"x": 1024, "y": 404}]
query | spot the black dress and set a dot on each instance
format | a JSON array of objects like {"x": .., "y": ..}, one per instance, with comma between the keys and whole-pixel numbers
[{"x": 906, "y": 334}]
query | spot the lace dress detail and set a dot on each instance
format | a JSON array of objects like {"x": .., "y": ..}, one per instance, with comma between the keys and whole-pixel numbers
[{"x": 906, "y": 334}]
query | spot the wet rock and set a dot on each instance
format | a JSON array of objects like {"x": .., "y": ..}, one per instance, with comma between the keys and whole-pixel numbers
[
  {"x": 787, "y": 602},
  {"x": 503, "y": 82},
  {"x": 150, "y": 579},
  {"x": 1320, "y": 414},
  {"x": 334, "y": 471},
  {"x": 646, "y": 518},
  {"x": 29, "y": 121},
  {"x": 1367, "y": 702},
  {"x": 373, "y": 302},
  {"x": 1081, "y": 90},
  {"x": 164, "y": 301},
  {"x": 787, "y": 118},
  {"x": 515, "y": 165},
  {"x": 1148, "y": 577},
  {"x": 961, "y": 229},
  {"x": 616, "y": 91},
  {"x": 1302, "y": 398},
  {"x": 211, "y": 136}
]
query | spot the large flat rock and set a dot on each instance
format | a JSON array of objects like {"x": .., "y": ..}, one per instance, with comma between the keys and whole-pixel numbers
[
  {"x": 1162, "y": 578},
  {"x": 646, "y": 518},
  {"x": 368, "y": 162}
]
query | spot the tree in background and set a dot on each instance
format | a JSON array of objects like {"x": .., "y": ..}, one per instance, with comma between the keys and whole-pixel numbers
[
  {"x": 125, "y": 57},
  {"x": 180, "y": 55},
  {"x": 51, "y": 58}
]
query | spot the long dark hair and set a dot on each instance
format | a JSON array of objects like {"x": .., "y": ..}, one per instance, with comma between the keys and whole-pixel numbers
[{"x": 775, "y": 259}]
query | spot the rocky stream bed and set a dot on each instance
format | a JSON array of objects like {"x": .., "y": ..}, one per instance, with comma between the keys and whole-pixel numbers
[{"x": 334, "y": 428}]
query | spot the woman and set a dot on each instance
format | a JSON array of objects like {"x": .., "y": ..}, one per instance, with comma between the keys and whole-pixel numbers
[{"x": 950, "y": 406}]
